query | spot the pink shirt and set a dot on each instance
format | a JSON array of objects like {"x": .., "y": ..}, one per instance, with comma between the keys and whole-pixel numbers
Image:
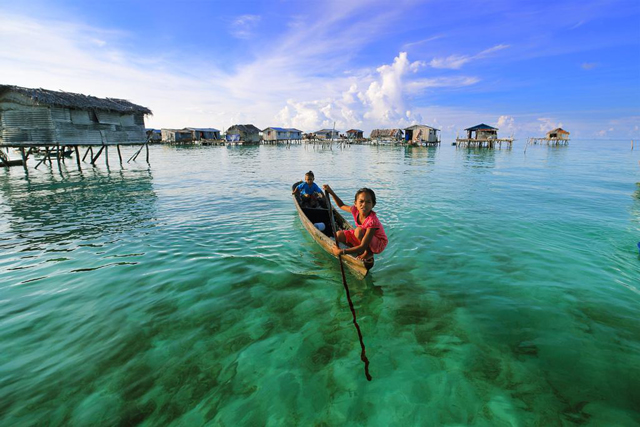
[{"x": 371, "y": 221}]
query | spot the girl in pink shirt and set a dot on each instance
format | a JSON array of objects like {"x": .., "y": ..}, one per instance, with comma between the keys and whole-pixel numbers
[{"x": 369, "y": 237}]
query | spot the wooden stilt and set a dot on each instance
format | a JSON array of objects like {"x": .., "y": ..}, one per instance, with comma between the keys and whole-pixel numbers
[
  {"x": 135, "y": 156},
  {"x": 93, "y": 160},
  {"x": 44, "y": 159},
  {"x": 47, "y": 155},
  {"x": 24, "y": 158},
  {"x": 119, "y": 154},
  {"x": 147, "y": 148},
  {"x": 87, "y": 152},
  {"x": 58, "y": 158},
  {"x": 106, "y": 155},
  {"x": 78, "y": 158}
]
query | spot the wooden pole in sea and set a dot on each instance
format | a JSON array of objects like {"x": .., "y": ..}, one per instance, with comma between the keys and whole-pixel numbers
[
  {"x": 106, "y": 155},
  {"x": 78, "y": 158},
  {"x": 147, "y": 148},
  {"x": 58, "y": 157},
  {"x": 119, "y": 154},
  {"x": 24, "y": 159}
]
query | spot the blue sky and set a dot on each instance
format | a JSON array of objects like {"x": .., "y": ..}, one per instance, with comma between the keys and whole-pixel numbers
[{"x": 523, "y": 66}]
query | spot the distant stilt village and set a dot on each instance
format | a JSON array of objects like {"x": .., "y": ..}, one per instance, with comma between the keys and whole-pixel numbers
[{"x": 54, "y": 124}]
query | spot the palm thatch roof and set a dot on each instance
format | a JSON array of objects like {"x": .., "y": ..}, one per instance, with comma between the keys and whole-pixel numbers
[
  {"x": 75, "y": 100},
  {"x": 385, "y": 133}
]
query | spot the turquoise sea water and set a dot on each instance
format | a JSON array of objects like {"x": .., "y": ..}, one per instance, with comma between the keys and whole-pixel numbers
[{"x": 188, "y": 293}]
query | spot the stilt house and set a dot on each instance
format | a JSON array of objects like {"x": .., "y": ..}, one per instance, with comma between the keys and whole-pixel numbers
[
  {"x": 482, "y": 131},
  {"x": 417, "y": 134},
  {"x": 558, "y": 133},
  {"x": 154, "y": 135},
  {"x": 355, "y": 134},
  {"x": 274, "y": 134},
  {"x": 327, "y": 134},
  {"x": 387, "y": 134},
  {"x": 246, "y": 133},
  {"x": 176, "y": 135},
  {"x": 40, "y": 117},
  {"x": 199, "y": 134}
]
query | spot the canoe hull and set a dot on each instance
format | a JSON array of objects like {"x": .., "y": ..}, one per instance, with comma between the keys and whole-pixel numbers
[{"x": 308, "y": 216}]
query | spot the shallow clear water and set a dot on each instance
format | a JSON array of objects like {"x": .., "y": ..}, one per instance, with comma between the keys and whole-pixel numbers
[{"x": 188, "y": 293}]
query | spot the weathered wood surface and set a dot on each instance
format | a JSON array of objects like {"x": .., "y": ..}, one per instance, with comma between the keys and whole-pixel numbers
[{"x": 358, "y": 267}]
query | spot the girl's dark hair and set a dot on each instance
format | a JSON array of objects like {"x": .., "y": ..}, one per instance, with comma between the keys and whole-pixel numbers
[
  {"x": 310, "y": 174},
  {"x": 369, "y": 192}
]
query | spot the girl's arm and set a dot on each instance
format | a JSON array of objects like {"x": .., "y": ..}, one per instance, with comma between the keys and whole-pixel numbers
[
  {"x": 357, "y": 250},
  {"x": 339, "y": 202}
]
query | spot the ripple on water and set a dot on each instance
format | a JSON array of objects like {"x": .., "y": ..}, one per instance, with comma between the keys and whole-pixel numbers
[{"x": 189, "y": 293}]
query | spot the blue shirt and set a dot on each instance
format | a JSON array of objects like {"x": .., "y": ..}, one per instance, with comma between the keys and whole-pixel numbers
[{"x": 308, "y": 190}]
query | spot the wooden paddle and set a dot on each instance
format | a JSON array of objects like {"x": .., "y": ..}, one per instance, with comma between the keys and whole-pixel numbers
[{"x": 363, "y": 353}]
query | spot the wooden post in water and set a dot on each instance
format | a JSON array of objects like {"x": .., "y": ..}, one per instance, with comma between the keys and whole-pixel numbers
[
  {"x": 119, "y": 154},
  {"x": 106, "y": 156},
  {"x": 58, "y": 157},
  {"x": 147, "y": 148},
  {"x": 78, "y": 158},
  {"x": 24, "y": 159},
  {"x": 93, "y": 160}
]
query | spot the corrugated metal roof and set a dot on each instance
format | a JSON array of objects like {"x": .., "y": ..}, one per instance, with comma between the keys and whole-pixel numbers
[
  {"x": 482, "y": 126},
  {"x": 204, "y": 129},
  {"x": 420, "y": 126}
]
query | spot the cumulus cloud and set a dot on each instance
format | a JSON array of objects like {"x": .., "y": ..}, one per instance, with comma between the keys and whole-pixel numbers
[
  {"x": 455, "y": 62},
  {"x": 506, "y": 124},
  {"x": 547, "y": 123},
  {"x": 371, "y": 101}
]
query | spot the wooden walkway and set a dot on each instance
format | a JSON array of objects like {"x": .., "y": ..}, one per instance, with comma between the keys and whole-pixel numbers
[{"x": 548, "y": 141}]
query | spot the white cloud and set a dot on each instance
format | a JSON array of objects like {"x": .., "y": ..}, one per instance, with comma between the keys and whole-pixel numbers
[
  {"x": 243, "y": 26},
  {"x": 506, "y": 124},
  {"x": 547, "y": 124},
  {"x": 455, "y": 62}
]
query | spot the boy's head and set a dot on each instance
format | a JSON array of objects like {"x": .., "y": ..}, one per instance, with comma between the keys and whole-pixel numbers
[
  {"x": 308, "y": 177},
  {"x": 367, "y": 191}
]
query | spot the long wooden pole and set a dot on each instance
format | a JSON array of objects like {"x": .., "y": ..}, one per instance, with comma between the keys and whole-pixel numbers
[
  {"x": 78, "y": 157},
  {"x": 24, "y": 158},
  {"x": 363, "y": 354}
]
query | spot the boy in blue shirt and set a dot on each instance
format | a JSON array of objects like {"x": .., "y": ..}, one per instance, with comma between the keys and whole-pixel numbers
[{"x": 309, "y": 190}]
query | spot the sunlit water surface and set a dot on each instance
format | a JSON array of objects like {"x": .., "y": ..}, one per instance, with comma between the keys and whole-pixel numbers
[{"x": 188, "y": 293}]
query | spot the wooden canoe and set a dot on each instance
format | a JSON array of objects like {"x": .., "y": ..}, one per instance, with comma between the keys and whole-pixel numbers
[{"x": 310, "y": 216}]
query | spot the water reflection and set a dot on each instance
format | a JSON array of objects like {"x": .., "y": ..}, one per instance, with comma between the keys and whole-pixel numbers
[
  {"x": 416, "y": 156},
  {"x": 45, "y": 209},
  {"x": 482, "y": 158}
]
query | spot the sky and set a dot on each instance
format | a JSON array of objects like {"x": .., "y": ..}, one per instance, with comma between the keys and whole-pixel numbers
[{"x": 525, "y": 67}]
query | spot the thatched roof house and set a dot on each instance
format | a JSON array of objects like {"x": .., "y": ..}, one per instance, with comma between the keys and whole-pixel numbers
[
  {"x": 246, "y": 133},
  {"x": 387, "y": 134},
  {"x": 558, "y": 133},
  {"x": 482, "y": 131},
  {"x": 32, "y": 117},
  {"x": 420, "y": 133}
]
